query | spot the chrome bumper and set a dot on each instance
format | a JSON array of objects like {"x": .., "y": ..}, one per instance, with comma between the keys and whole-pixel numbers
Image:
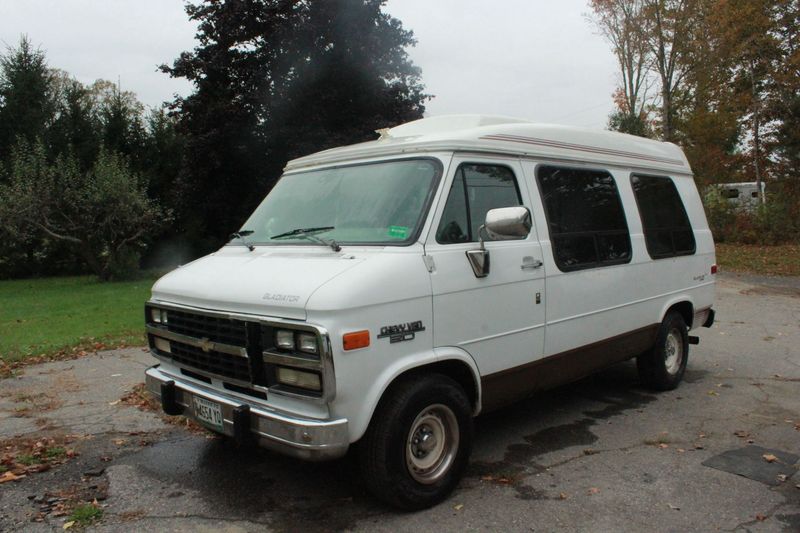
[{"x": 305, "y": 438}]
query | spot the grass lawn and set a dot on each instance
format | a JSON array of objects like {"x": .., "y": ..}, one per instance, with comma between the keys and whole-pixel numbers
[
  {"x": 52, "y": 315},
  {"x": 781, "y": 260}
]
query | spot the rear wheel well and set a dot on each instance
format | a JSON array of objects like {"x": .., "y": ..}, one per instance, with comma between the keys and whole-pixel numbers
[
  {"x": 685, "y": 309},
  {"x": 454, "y": 369}
]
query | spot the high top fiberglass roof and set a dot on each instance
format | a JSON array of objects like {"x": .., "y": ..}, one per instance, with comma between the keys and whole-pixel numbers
[{"x": 504, "y": 135}]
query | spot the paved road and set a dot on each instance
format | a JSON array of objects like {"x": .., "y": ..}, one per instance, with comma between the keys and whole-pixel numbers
[{"x": 598, "y": 455}]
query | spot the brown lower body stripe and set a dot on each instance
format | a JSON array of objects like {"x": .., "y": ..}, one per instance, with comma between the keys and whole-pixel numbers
[{"x": 507, "y": 386}]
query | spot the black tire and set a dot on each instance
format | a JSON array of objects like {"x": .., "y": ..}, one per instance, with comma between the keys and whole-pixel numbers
[
  {"x": 658, "y": 367},
  {"x": 425, "y": 404}
]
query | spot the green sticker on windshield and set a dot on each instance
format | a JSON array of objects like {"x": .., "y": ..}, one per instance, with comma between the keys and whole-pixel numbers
[{"x": 398, "y": 232}]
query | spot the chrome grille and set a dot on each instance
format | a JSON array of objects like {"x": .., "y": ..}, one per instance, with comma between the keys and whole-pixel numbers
[
  {"x": 218, "y": 363},
  {"x": 217, "y": 329}
]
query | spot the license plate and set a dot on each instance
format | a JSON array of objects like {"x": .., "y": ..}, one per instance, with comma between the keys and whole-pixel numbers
[{"x": 209, "y": 413}]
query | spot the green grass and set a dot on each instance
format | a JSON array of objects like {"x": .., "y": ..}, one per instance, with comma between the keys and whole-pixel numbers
[
  {"x": 782, "y": 260},
  {"x": 42, "y": 317},
  {"x": 56, "y": 452},
  {"x": 85, "y": 514},
  {"x": 27, "y": 459}
]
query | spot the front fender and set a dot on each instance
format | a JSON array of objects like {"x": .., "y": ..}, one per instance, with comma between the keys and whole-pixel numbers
[{"x": 359, "y": 419}]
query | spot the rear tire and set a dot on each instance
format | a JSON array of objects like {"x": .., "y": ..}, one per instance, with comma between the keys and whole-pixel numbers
[
  {"x": 418, "y": 443},
  {"x": 661, "y": 368}
]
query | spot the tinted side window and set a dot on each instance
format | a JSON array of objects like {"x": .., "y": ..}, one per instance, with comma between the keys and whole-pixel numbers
[
  {"x": 585, "y": 217},
  {"x": 667, "y": 230},
  {"x": 476, "y": 189}
]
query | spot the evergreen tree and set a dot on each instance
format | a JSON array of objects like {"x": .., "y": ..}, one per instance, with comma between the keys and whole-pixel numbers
[
  {"x": 25, "y": 102},
  {"x": 275, "y": 79}
]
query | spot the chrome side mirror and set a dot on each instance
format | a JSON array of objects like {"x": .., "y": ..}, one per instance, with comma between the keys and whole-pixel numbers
[
  {"x": 502, "y": 223},
  {"x": 508, "y": 223}
]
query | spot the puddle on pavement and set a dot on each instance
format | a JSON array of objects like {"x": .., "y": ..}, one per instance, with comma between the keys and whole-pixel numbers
[
  {"x": 694, "y": 375},
  {"x": 249, "y": 483},
  {"x": 612, "y": 388}
]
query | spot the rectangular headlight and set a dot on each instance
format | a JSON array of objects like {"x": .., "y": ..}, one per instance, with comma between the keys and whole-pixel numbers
[
  {"x": 162, "y": 345},
  {"x": 284, "y": 339},
  {"x": 298, "y": 378},
  {"x": 307, "y": 342},
  {"x": 159, "y": 316}
]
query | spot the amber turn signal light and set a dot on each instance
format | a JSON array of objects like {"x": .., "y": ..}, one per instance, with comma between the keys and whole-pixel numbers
[{"x": 356, "y": 339}]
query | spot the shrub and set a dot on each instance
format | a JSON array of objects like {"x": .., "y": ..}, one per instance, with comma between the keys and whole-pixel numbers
[
  {"x": 103, "y": 214},
  {"x": 775, "y": 222}
]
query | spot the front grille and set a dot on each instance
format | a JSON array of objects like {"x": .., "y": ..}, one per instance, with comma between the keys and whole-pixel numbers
[
  {"x": 221, "y": 330},
  {"x": 221, "y": 364}
]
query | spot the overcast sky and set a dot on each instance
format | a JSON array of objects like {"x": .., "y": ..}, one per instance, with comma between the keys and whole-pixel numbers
[{"x": 535, "y": 59}]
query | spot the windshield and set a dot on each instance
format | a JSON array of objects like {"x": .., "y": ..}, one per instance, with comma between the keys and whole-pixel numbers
[{"x": 378, "y": 203}]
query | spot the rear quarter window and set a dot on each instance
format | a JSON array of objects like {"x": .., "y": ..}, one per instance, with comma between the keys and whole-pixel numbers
[{"x": 667, "y": 230}]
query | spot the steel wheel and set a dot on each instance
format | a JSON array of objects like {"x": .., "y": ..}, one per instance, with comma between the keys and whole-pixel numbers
[
  {"x": 673, "y": 351},
  {"x": 432, "y": 443}
]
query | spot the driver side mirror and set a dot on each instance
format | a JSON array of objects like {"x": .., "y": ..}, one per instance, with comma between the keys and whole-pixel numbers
[{"x": 503, "y": 223}]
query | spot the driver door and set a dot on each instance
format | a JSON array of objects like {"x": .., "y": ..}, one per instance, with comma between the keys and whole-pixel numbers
[{"x": 499, "y": 319}]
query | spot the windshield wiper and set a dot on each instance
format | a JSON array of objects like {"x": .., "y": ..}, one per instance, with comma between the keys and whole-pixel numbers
[
  {"x": 241, "y": 234},
  {"x": 308, "y": 233}
]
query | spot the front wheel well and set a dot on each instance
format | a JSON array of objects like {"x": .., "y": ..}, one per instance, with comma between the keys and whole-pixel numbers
[
  {"x": 685, "y": 309},
  {"x": 456, "y": 370}
]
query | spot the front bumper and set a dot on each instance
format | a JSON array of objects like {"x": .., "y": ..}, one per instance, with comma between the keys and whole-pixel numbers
[{"x": 304, "y": 438}]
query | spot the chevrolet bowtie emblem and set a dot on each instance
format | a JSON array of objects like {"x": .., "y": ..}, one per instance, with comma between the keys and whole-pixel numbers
[{"x": 206, "y": 345}]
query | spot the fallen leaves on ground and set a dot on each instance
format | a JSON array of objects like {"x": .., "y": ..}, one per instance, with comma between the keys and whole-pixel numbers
[
  {"x": 85, "y": 347},
  {"x": 764, "y": 260},
  {"x": 768, "y": 457},
  {"x": 20, "y": 457},
  {"x": 141, "y": 398}
]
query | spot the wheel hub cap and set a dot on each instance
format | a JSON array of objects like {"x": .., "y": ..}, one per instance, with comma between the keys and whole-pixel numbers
[
  {"x": 673, "y": 351},
  {"x": 432, "y": 444}
]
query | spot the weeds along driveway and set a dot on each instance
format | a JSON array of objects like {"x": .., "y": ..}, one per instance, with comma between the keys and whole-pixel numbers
[{"x": 598, "y": 455}]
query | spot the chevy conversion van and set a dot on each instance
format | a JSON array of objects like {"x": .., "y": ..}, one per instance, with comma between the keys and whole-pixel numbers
[{"x": 384, "y": 294}]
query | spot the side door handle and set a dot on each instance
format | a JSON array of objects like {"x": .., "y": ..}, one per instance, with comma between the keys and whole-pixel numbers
[{"x": 529, "y": 263}]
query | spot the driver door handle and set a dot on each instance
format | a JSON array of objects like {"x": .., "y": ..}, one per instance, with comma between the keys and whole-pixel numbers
[{"x": 529, "y": 263}]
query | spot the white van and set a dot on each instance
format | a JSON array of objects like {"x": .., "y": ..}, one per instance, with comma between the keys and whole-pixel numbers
[{"x": 384, "y": 294}]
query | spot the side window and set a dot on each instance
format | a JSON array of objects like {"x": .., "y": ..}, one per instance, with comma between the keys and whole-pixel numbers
[
  {"x": 585, "y": 217},
  {"x": 476, "y": 189},
  {"x": 667, "y": 230}
]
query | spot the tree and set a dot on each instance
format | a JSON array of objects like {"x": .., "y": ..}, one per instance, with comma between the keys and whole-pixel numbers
[
  {"x": 25, "y": 103},
  {"x": 104, "y": 213},
  {"x": 76, "y": 128},
  {"x": 279, "y": 78},
  {"x": 623, "y": 24},
  {"x": 120, "y": 115},
  {"x": 783, "y": 105},
  {"x": 746, "y": 40},
  {"x": 670, "y": 32}
]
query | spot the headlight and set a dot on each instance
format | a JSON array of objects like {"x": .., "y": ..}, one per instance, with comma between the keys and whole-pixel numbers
[
  {"x": 284, "y": 339},
  {"x": 162, "y": 345},
  {"x": 159, "y": 315},
  {"x": 298, "y": 378},
  {"x": 307, "y": 342}
]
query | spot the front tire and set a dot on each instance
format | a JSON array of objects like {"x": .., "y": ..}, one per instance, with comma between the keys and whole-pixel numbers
[
  {"x": 418, "y": 443},
  {"x": 661, "y": 368}
]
